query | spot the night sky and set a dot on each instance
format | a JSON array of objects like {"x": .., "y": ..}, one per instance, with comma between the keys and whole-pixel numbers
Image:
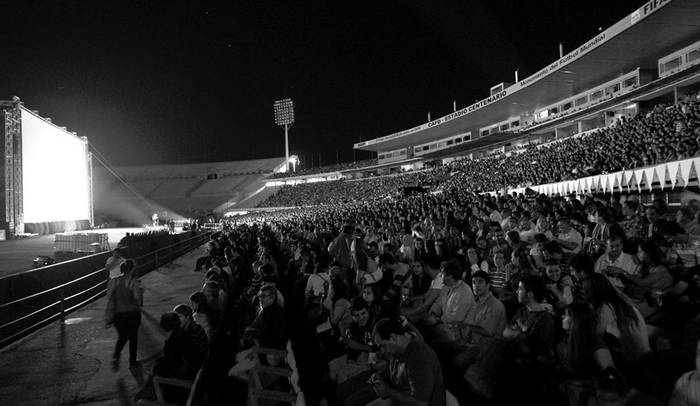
[{"x": 153, "y": 82}]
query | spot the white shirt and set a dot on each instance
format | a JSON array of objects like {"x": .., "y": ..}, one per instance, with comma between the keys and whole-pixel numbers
[
  {"x": 571, "y": 236},
  {"x": 624, "y": 261},
  {"x": 437, "y": 281}
]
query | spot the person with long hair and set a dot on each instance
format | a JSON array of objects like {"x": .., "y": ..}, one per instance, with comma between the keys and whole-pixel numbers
[
  {"x": 619, "y": 322},
  {"x": 371, "y": 295},
  {"x": 653, "y": 278},
  {"x": 582, "y": 352},
  {"x": 475, "y": 263},
  {"x": 338, "y": 305}
]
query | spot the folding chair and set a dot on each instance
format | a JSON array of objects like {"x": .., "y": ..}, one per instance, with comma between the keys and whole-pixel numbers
[{"x": 261, "y": 375}]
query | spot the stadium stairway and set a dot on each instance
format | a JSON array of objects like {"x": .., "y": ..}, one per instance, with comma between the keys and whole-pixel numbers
[{"x": 70, "y": 363}]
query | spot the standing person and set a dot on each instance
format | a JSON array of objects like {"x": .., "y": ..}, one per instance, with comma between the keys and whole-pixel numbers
[
  {"x": 124, "y": 301},
  {"x": 114, "y": 262}
]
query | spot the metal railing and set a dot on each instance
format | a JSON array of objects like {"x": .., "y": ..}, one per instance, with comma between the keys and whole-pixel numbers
[{"x": 36, "y": 310}]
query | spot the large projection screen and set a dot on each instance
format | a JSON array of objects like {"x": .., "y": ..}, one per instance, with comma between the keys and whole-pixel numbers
[{"x": 54, "y": 171}]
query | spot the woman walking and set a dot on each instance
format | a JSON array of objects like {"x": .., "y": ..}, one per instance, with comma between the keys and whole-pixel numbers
[{"x": 124, "y": 301}]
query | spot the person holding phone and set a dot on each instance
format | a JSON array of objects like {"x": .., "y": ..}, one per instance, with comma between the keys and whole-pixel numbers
[{"x": 414, "y": 375}]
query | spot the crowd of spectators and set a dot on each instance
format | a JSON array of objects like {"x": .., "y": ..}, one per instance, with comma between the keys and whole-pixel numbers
[
  {"x": 665, "y": 133},
  {"x": 134, "y": 238},
  {"x": 343, "y": 191},
  {"x": 435, "y": 298},
  {"x": 432, "y": 297}
]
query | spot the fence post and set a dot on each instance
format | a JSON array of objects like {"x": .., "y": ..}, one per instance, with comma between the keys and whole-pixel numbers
[{"x": 62, "y": 305}]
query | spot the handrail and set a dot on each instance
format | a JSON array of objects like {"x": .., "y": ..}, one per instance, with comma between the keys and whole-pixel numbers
[
  {"x": 50, "y": 289},
  {"x": 169, "y": 246},
  {"x": 180, "y": 248},
  {"x": 49, "y": 319}
]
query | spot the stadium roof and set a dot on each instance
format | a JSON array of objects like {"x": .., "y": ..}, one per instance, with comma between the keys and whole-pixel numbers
[{"x": 637, "y": 41}]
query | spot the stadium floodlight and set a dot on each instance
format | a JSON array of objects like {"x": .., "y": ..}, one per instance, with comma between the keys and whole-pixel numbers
[{"x": 284, "y": 116}]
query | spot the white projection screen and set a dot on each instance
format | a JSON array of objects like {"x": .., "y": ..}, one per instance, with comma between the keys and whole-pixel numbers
[{"x": 55, "y": 172}]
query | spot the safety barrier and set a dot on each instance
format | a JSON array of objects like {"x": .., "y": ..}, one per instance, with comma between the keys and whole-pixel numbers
[{"x": 34, "y": 310}]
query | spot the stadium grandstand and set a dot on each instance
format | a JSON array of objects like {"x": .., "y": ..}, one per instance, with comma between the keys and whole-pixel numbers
[
  {"x": 130, "y": 195},
  {"x": 596, "y": 85},
  {"x": 541, "y": 245}
]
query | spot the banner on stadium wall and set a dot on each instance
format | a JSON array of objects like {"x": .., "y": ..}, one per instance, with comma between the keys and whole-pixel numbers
[
  {"x": 687, "y": 170},
  {"x": 442, "y": 120}
]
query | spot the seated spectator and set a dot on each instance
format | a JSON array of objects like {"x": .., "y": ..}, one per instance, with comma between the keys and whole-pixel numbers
[
  {"x": 414, "y": 375},
  {"x": 569, "y": 239},
  {"x": 582, "y": 267},
  {"x": 619, "y": 322},
  {"x": 181, "y": 357},
  {"x": 216, "y": 297},
  {"x": 559, "y": 285},
  {"x": 582, "y": 353},
  {"x": 537, "y": 250},
  {"x": 318, "y": 284},
  {"x": 419, "y": 311},
  {"x": 653, "y": 277},
  {"x": 685, "y": 251},
  {"x": 487, "y": 319},
  {"x": 632, "y": 224},
  {"x": 615, "y": 262},
  {"x": 359, "y": 343},
  {"x": 420, "y": 280},
  {"x": 474, "y": 262},
  {"x": 338, "y": 305},
  {"x": 199, "y": 338},
  {"x": 527, "y": 230},
  {"x": 552, "y": 253},
  {"x": 451, "y": 308},
  {"x": 269, "y": 328},
  {"x": 686, "y": 218},
  {"x": 203, "y": 315},
  {"x": 499, "y": 274},
  {"x": 529, "y": 335}
]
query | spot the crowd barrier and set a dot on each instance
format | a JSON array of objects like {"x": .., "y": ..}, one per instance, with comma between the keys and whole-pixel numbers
[{"x": 32, "y": 299}]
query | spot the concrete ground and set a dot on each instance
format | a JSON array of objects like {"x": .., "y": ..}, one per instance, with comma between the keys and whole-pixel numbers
[
  {"x": 70, "y": 363},
  {"x": 17, "y": 255}
]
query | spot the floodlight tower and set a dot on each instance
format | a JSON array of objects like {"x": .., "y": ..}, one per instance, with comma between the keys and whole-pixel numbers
[{"x": 284, "y": 116}]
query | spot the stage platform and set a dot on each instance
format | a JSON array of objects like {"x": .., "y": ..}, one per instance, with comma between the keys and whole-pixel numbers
[
  {"x": 70, "y": 363},
  {"x": 17, "y": 255}
]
